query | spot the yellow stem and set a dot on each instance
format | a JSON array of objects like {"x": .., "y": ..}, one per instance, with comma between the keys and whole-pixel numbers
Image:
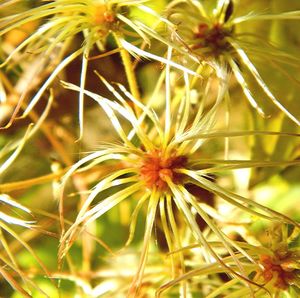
[
  {"x": 129, "y": 69},
  {"x": 10, "y": 186}
]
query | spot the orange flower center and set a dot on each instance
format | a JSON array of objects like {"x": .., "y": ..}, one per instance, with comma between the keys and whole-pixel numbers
[
  {"x": 276, "y": 268},
  {"x": 213, "y": 37},
  {"x": 156, "y": 169}
]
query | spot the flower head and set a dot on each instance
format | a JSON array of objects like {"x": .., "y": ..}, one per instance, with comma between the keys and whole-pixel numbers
[
  {"x": 272, "y": 268},
  {"x": 158, "y": 161},
  {"x": 60, "y": 22},
  {"x": 212, "y": 35}
]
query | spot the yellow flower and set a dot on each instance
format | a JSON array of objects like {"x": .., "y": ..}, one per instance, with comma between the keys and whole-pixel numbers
[
  {"x": 61, "y": 21},
  {"x": 160, "y": 159}
]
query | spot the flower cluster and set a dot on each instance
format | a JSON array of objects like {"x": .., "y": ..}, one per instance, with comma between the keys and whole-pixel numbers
[{"x": 176, "y": 199}]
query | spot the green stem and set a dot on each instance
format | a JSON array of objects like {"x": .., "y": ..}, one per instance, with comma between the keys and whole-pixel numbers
[{"x": 129, "y": 70}]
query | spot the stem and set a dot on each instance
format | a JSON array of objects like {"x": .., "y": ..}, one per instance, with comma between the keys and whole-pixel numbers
[
  {"x": 12, "y": 186},
  {"x": 129, "y": 70}
]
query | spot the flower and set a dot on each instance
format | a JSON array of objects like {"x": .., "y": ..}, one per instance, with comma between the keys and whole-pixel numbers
[
  {"x": 61, "y": 21},
  {"x": 273, "y": 267},
  {"x": 157, "y": 162},
  {"x": 215, "y": 36}
]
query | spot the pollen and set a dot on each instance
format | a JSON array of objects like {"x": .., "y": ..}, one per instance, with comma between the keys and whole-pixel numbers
[
  {"x": 276, "y": 268},
  {"x": 156, "y": 169}
]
